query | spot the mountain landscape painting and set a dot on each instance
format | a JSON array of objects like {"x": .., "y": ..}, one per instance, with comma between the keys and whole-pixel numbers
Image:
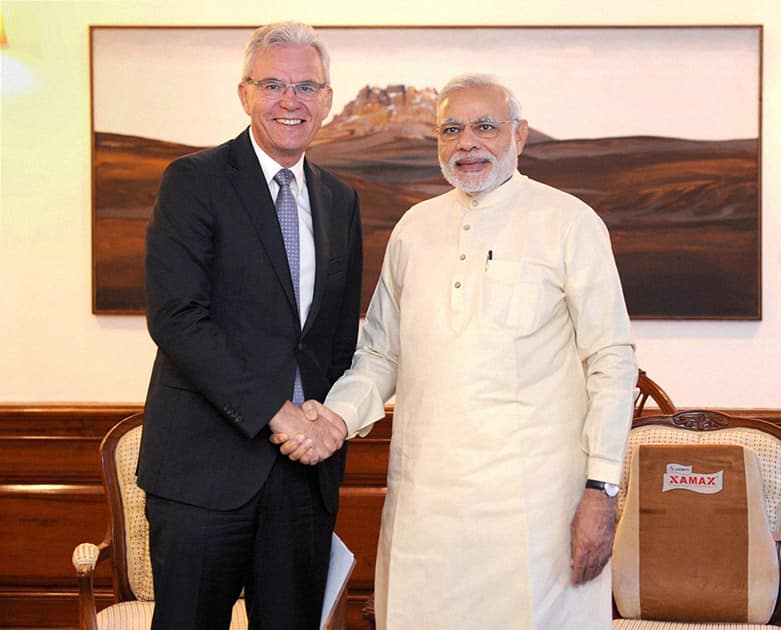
[{"x": 683, "y": 209}]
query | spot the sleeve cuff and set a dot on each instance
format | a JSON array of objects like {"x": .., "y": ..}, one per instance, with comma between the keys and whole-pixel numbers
[
  {"x": 350, "y": 416},
  {"x": 358, "y": 403},
  {"x": 604, "y": 470}
]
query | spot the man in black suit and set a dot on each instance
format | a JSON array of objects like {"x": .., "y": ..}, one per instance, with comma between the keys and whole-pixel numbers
[{"x": 251, "y": 312}]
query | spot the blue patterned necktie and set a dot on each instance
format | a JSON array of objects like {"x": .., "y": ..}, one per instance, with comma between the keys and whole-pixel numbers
[{"x": 287, "y": 212}]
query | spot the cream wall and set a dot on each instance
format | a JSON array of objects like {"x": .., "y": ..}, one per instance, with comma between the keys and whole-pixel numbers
[{"x": 53, "y": 349}]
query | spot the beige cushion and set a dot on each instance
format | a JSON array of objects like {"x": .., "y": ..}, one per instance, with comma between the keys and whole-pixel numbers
[
  {"x": 670, "y": 561},
  {"x": 640, "y": 624},
  {"x": 138, "y": 616},
  {"x": 139, "y": 567},
  {"x": 767, "y": 448}
]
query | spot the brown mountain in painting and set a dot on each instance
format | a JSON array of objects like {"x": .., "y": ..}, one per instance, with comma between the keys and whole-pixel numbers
[
  {"x": 683, "y": 214},
  {"x": 397, "y": 110}
]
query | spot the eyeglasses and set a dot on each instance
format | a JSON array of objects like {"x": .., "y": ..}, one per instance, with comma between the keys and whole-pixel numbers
[
  {"x": 274, "y": 88},
  {"x": 484, "y": 129}
]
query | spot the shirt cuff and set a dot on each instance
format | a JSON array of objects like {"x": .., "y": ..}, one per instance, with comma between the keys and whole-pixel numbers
[
  {"x": 358, "y": 403},
  {"x": 605, "y": 470}
]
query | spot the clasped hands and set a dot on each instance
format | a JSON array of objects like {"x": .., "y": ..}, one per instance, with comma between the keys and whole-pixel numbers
[{"x": 309, "y": 434}]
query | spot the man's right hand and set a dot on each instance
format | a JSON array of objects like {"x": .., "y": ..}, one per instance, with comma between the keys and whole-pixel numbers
[{"x": 309, "y": 434}]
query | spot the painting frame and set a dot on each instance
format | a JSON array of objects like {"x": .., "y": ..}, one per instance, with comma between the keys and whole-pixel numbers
[{"x": 669, "y": 254}]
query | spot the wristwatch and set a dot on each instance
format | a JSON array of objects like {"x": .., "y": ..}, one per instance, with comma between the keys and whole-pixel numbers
[{"x": 610, "y": 489}]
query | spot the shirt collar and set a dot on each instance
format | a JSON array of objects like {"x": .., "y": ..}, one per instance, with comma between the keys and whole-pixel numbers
[
  {"x": 271, "y": 167},
  {"x": 497, "y": 196}
]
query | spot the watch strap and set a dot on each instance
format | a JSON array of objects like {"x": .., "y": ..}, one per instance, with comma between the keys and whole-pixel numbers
[{"x": 609, "y": 489}]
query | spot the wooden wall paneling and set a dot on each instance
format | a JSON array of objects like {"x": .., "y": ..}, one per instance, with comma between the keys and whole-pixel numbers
[
  {"x": 25, "y": 608},
  {"x": 29, "y": 459},
  {"x": 358, "y": 526},
  {"x": 41, "y": 526},
  {"x": 360, "y": 508},
  {"x": 51, "y": 499}
]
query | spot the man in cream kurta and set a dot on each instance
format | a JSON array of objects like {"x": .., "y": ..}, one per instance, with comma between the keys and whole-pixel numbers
[{"x": 500, "y": 325}]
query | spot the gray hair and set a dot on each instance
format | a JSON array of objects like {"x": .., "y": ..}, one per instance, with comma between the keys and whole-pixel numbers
[
  {"x": 284, "y": 34},
  {"x": 466, "y": 81}
]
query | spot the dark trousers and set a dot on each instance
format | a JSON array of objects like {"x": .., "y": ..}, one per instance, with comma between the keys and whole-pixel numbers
[{"x": 276, "y": 547}]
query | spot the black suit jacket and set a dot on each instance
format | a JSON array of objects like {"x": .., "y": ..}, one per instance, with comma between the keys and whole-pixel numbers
[{"x": 221, "y": 309}]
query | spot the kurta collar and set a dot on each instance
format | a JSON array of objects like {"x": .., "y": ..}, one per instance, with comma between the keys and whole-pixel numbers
[{"x": 496, "y": 197}]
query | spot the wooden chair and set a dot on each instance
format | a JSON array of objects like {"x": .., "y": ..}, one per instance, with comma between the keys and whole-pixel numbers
[
  {"x": 126, "y": 543},
  {"x": 637, "y": 576},
  {"x": 648, "y": 388}
]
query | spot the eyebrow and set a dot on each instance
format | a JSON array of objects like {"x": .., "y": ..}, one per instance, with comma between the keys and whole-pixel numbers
[
  {"x": 291, "y": 82},
  {"x": 482, "y": 119}
]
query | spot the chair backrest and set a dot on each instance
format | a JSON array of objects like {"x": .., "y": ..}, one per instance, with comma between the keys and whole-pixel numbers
[
  {"x": 129, "y": 528},
  {"x": 648, "y": 388},
  {"x": 708, "y": 433},
  {"x": 712, "y": 427}
]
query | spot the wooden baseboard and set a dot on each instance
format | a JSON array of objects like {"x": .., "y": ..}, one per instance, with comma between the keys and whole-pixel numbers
[{"x": 45, "y": 608}]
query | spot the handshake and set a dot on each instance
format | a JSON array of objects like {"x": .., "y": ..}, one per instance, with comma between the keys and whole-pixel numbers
[{"x": 309, "y": 434}]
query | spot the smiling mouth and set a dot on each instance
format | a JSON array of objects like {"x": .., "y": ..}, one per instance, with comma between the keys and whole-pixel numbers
[
  {"x": 289, "y": 122},
  {"x": 471, "y": 165}
]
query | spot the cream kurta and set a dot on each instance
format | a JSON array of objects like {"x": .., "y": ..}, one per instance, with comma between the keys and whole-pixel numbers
[{"x": 500, "y": 325}]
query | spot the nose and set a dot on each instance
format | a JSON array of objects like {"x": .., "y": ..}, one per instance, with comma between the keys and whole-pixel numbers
[
  {"x": 467, "y": 140},
  {"x": 289, "y": 98}
]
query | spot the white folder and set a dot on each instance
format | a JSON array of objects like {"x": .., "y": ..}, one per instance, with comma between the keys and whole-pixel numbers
[{"x": 340, "y": 568}]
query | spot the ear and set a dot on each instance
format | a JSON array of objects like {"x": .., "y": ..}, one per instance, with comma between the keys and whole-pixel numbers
[
  {"x": 244, "y": 97},
  {"x": 328, "y": 99},
  {"x": 521, "y": 134}
]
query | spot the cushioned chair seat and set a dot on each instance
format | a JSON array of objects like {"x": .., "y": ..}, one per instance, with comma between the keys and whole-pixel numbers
[
  {"x": 136, "y": 615},
  {"x": 639, "y": 624}
]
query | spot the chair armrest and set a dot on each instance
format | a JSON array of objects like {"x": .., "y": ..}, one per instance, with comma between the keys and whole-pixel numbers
[{"x": 85, "y": 557}]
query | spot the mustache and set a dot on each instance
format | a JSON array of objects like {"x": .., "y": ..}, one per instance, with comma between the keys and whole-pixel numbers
[{"x": 471, "y": 155}]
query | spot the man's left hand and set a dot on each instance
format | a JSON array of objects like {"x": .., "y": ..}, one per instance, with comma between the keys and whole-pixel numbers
[{"x": 592, "y": 531}]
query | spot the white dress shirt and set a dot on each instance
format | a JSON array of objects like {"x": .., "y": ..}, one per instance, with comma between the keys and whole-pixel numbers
[{"x": 306, "y": 284}]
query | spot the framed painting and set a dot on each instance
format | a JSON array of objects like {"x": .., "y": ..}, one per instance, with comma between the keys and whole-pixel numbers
[{"x": 657, "y": 128}]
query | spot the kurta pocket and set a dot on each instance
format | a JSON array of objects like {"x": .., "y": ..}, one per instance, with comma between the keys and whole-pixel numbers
[{"x": 509, "y": 299}]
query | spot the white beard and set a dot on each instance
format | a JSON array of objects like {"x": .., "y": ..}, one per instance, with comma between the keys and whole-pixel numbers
[{"x": 501, "y": 169}]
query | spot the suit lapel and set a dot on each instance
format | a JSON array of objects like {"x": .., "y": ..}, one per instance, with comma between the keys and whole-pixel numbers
[
  {"x": 250, "y": 185},
  {"x": 320, "y": 201}
]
